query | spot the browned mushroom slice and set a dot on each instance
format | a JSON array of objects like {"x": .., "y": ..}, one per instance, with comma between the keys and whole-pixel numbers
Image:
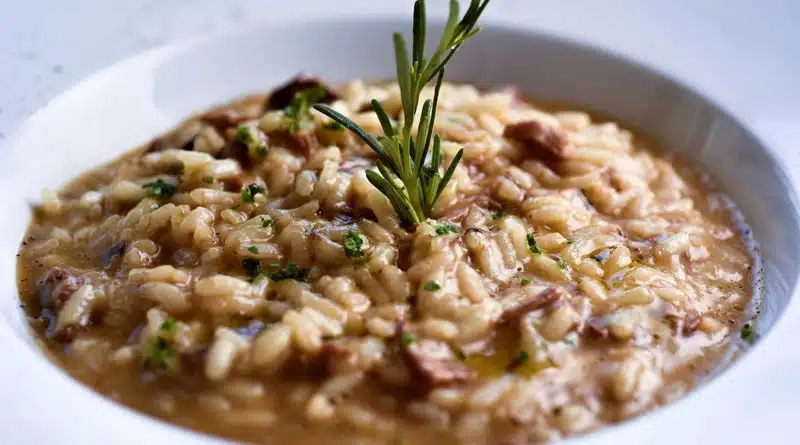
[
  {"x": 283, "y": 95},
  {"x": 336, "y": 357},
  {"x": 543, "y": 141},
  {"x": 518, "y": 304},
  {"x": 434, "y": 364},
  {"x": 57, "y": 285},
  {"x": 425, "y": 363},
  {"x": 303, "y": 142},
  {"x": 684, "y": 323}
]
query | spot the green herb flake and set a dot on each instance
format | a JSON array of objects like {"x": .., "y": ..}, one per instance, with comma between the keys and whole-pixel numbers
[
  {"x": 253, "y": 249},
  {"x": 444, "y": 229},
  {"x": 267, "y": 222},
  {"x": 525, "y": 281},
  {"x": 531, "y": 238},
  {"x": 289, "y": 272},
  {"x": 570, "y": 242},
  {"x": 334, "y": 126},
  {"x": 749, "y": 333},
  {"x": 169, "y": 326},
  {"x": 561, "y": 263},
  {"x": 520, "y": 359},
  {"x": 414, "y": 155},
  {"x": 569, "y": 342},
  {"x": 253, "y": 139},
  {"x": 431, "y": 286},
  {"x": 407, "y": 338},
  {"x": 208, "y": 179},
  {"x": 251, "y": 266},
  {"x": 159, "y": 354},
  {"x": 353, "y": 244},
  {"x": 498, "y": 214},
  {"x": 299, "y": 111},
  {"x": 160, "y": 188},
  {"x": 249, "y": 193}
]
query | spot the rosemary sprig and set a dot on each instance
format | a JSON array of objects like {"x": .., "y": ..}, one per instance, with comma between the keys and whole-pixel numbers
[{"x": 406, "y": 174}]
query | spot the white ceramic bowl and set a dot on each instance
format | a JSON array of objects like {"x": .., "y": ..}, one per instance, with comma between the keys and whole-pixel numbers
[{"x": 132, "y": 101}]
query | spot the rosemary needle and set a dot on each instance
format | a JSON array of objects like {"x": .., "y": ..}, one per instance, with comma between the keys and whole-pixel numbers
[{"x": 409, "y": 178}]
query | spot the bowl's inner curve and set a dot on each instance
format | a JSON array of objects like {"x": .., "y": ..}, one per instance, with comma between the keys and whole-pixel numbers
[{"x": 679, "y": 120}]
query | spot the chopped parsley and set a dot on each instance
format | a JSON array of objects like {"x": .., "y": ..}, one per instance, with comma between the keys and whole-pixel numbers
[
  {"x": 169, "y": 326},
  {"x": 431, "y": 286},
  {"x": 267, "y": 222},
  {"x": 560, "y": 262},
  {"x": 749, "y": 333},
  {"x": 253, "y": 139},
  {"x": 249, "y": 193},
  {"x": 160, "y": 188},
  {"x": 498, "y": 214},
  {"x": 289, "y": 272},
  {"x": 252, "y": 266},
  {"x": 353, "y": 244},
  {"x": 520, "y": 359},
  {"x": 299, "y": 111},
  {"x": 253, "y": 249},
  {"x": 208, "y": 179},
  {"x": 334, "y": 126},
  {"x": 444, "y": 229},
  {"x": 407, "y": 338},
  {"x": 531, "y": 238},
  {"x": 570, "y": 242},
  {"x": 569, "y": 342},
  {"x": 525, "y": 281},
  {"x": 159, "y": 354}
]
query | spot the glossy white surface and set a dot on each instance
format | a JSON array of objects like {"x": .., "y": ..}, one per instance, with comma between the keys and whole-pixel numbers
[
  {"x": 753, "y": 401},
  {"x": 742, "y": 53}
]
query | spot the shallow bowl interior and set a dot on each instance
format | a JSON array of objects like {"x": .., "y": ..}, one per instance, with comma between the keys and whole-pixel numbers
[{"x": 133, "y": 100}]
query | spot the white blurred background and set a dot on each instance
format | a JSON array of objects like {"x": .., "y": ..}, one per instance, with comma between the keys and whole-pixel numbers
[{"x": 743, "y": 53}]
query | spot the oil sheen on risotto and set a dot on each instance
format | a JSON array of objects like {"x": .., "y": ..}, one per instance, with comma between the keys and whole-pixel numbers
[{"x": 240, "y": 276}]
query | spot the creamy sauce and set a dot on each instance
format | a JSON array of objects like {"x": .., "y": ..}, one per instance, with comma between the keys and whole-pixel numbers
[{"x": 651, "y": 273}]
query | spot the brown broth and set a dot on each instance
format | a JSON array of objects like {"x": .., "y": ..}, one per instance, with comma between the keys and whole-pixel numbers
[{"x": 574, "y": 371}]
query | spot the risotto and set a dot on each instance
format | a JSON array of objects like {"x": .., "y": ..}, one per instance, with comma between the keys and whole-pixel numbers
[{"x": 241, "y": 276}]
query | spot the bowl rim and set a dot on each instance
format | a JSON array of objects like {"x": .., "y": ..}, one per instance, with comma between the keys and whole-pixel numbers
[{"x": 22, "y": 348}]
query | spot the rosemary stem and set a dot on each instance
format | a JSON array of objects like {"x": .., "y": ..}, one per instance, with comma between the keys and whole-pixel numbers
[
  {"x": 402, "y": 158},
  {"x": 414, "y": 195}
]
